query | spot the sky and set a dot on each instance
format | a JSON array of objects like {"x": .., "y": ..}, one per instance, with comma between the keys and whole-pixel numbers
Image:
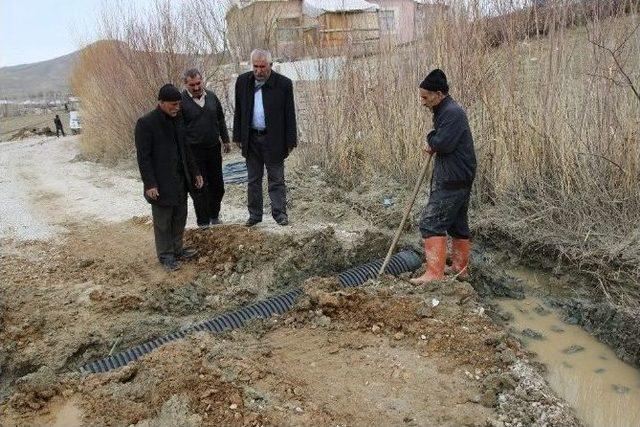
[{"x": 37, "y": 30}]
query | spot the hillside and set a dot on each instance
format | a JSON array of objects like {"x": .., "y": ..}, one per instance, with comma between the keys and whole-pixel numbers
[{"x": 38, "y": 78}]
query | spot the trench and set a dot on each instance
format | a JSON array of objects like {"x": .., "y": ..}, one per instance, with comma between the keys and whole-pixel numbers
[
  {"x": 401, "y": 262},
  {"x": 603, "y": 389}
]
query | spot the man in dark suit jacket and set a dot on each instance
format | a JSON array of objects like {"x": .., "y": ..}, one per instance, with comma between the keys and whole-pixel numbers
[
  {"x": 206, "y": 127},
  {"x": 168, "y": 171},
  {"x": 264, "y": 126}
]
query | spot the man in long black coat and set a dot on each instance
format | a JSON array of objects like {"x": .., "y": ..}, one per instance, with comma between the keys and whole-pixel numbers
[
  {"x": 264, "y": 126},
  {"x": 168, "y": 171},
  {"x": 206, "y": 128}
]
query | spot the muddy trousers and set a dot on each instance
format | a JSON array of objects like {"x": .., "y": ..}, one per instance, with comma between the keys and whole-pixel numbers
[
  {"x": 168, "y": 228},
  {"x": 446, "y": 213},
  {"x": 206, "y": 201},
  {"x": 275, "y": 178}
]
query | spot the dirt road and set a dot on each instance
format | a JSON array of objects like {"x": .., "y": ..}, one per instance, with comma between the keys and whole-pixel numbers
[{"x": 80, "y": 280}]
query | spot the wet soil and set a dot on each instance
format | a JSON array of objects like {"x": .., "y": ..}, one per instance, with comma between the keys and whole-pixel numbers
[
  {"x": 602, "y": 308},
  {"x": 389, "y": 352}
]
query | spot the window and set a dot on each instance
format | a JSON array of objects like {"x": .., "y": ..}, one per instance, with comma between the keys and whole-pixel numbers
[{"x": 387, "y": 21}]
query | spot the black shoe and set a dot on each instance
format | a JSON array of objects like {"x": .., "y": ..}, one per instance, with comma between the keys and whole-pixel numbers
[
  {"x": 187, "y": 253},
  {"x": 251, "y": 222},
  {"x": 215, "y": 221},
  {"x": 283, "y": 221},
  {"x": 170, "y": 264}
]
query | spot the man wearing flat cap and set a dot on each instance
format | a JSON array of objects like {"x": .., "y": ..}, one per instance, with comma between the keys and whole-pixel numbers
[
  {"x": 454, "y": 169},
  {"x": 168, "y": 171}
]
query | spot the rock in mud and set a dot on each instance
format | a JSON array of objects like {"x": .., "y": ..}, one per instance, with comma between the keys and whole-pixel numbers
[
  {"x": 494, "y": 384},
  {"x": 556, "y": 328},
  {"x": 425, "y": 311},
  {"x": 620, "y": 389},
  {"x": 507, "y": 316},
  {"x": 530, "y": 333},
  {"x": 573, "y": 349},
  {"x": 541, "y": 311}
]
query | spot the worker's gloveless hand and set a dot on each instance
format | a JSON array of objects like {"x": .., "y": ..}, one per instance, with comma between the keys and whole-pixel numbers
[
  {"x": 152, "y": 193},
  {"x": 428, "y": 150},
  {"x": 226, "y": 148},
  {"x": 199, "y": 182}
]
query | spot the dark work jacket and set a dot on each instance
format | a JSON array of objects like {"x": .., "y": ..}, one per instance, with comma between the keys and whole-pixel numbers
[
  {"x": 164, "y": 159},
  {"x": 279, "y": 112},
  {"x": 206, "y": 125},
  {"x": 455, "y": 158}
]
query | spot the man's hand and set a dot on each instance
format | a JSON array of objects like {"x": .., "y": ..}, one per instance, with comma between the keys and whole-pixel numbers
[
  {"x": 152, "y": 193},
  {"x": 226, "y": 148},
  {"x": 428, "y": 150},
  {"x": 238, "y": 144},
  {"x": 199, "y": 182}
]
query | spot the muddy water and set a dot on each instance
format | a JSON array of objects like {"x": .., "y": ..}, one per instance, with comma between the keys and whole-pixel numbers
[{"x": 603, "y": 390}]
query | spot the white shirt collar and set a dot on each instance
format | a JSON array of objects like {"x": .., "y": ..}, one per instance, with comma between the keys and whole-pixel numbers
[{"x": 199, "y": 101}]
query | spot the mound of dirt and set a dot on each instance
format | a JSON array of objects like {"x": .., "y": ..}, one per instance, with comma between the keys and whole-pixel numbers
[
  {"x": 25, "y": 133},
  {"x": 388, "y": 353}
]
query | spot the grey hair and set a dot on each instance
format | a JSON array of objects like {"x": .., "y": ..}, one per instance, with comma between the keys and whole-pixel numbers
[
  {"x": 191, "y": 73},
  {"x": 261, "y": 53}
]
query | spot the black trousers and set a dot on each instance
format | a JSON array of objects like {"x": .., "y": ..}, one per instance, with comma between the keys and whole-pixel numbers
[
  {"x": 168, "y": 228},
  {"x": 206, "y": 202},
  {"x": 275, "y": 177},
  {"x": 58, "y": 130},
  {"x": 446, "y": 213}
]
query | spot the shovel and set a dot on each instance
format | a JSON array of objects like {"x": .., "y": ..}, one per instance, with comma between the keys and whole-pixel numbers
[{"x": 407, "y": 211}]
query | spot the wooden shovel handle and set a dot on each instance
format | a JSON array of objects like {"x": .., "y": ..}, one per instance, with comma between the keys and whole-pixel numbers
[{"x": 407, "y": 210}]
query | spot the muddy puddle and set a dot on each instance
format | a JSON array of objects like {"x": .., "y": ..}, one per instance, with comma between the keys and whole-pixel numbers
[{"x": 603, "y": 390}]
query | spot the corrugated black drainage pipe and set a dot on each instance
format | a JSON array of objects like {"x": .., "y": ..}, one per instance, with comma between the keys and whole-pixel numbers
[{"x": 400, "y": 263}]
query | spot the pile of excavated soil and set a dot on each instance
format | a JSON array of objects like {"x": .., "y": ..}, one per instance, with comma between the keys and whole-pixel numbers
[
  {"x": 385, "y": 354},
  {"x": 389, "y": 353},
  {"x": 102, "y": 288}
]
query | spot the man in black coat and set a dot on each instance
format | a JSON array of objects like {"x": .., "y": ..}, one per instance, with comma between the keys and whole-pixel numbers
[
  {"x": 206, "y": 127},
  {"x": 454, "y": 170},
  {"x": 264, "y": 127},
  {"x": 59, "y": 128},
  {"x": 168, "y": 171}
]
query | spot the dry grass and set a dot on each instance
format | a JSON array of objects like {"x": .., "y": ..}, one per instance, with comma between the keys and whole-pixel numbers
[
  {"x": 555, "y": 119},
  {"x": 118, "y": 78}
]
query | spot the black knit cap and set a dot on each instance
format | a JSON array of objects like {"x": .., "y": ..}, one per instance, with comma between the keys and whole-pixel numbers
[
  {"x": 169, "y": 93},
  {"x": 435, "y": 81}
]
